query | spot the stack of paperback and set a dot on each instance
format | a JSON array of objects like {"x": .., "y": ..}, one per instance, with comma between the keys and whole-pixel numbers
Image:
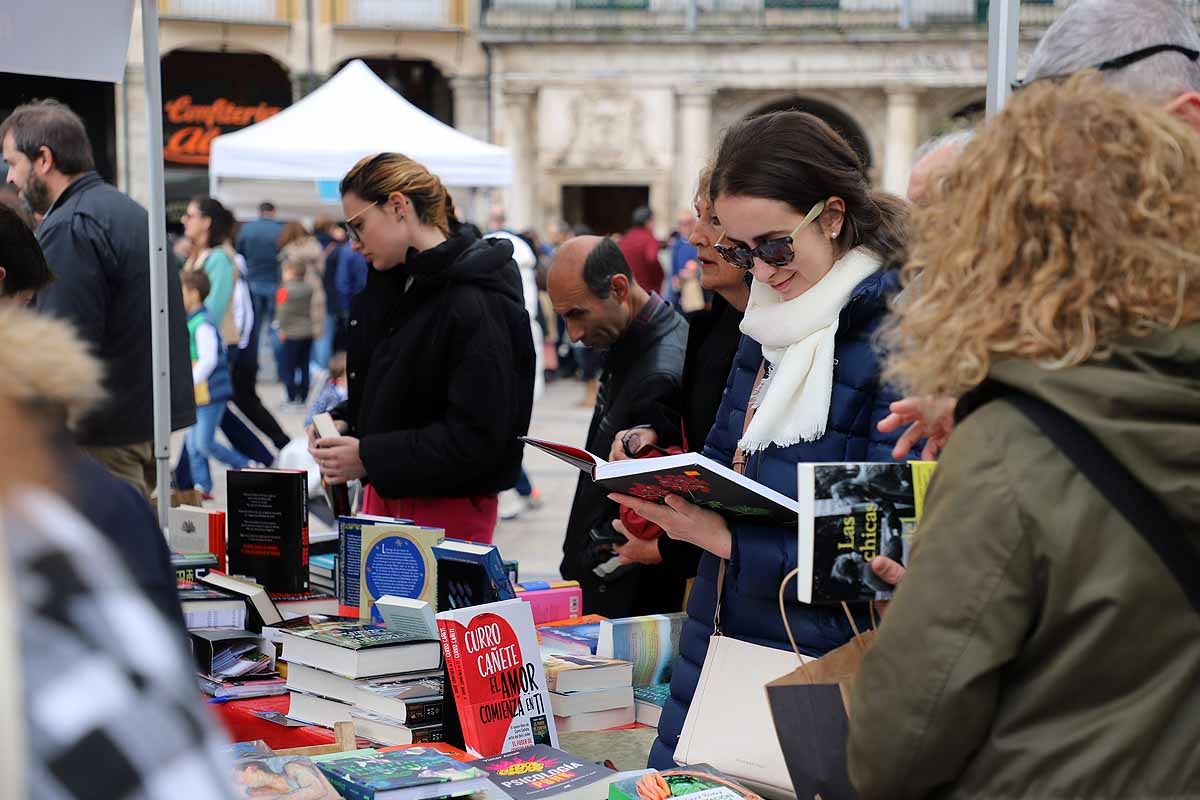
[
  {"x": 589, "y": 693},
  {"x": 206, "y": 607},
  {"x": 322, "y": 573},
  {"x": 389, "y": 684}
]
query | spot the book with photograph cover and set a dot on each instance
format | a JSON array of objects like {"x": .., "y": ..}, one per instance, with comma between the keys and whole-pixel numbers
[
  {"x": 697, "y": 479},
  {"x": 849, "y": 514},
  {"x": 278, "y": 777}
]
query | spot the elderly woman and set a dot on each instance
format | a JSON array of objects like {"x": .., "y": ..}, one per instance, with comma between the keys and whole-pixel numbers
[{"x": 1039, "y": 645}]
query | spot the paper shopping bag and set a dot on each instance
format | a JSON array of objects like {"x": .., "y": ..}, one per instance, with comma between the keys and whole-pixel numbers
[{"x": 809, "y": 706}]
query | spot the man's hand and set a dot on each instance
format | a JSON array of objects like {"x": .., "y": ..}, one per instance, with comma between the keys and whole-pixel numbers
[
  {"x": 339, "y": 459},
  {"x": 929, "y": 418},
  {"x": 639, "y": 438},
  {"x": 888, "y": 571},
  {"x": 635, "y": 551},
  {"x": 685, "y": 521}
]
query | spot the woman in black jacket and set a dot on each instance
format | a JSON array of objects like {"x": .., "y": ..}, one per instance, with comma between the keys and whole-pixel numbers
[{"x": 439, "y": 359}]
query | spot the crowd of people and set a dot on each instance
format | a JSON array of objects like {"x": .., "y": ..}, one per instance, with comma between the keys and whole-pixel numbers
[{"x": 1029, "y": 316}]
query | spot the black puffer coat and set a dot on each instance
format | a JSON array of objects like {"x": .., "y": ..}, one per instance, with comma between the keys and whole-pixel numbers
[{"x": 441, "y": 370}]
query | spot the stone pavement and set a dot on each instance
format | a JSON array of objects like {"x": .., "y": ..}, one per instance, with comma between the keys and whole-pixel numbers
[{"x": 535, "y": 538}]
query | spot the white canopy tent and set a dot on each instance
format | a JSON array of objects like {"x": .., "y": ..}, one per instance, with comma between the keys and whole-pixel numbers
[{"x": 296, "y": 157}]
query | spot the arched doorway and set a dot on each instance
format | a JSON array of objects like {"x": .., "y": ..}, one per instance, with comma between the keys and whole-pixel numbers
[
  {"x": 206, "y": 94},
  {"x": 836, "y": 118},
  {"x": 419, "y": 82}
]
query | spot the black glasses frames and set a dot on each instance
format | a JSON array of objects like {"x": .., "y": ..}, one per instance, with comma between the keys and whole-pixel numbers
[{"x": 1120, "y": 62}]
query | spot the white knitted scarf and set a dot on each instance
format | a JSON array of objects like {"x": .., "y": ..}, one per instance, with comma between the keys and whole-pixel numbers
[{"x": 797, "y": 338}]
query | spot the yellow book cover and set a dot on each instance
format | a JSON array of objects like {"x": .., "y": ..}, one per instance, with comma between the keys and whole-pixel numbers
[{"x": 397, "y": 560}]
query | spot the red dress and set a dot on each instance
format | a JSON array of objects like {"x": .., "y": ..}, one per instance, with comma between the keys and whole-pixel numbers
[{"x": 470, "y": 518}]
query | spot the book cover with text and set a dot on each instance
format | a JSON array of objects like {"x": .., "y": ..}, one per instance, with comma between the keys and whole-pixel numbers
[{"x": 496, "y": 676}]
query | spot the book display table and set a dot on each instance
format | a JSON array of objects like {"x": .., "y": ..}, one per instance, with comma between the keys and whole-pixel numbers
[
  {"x": 238, "y": 719},
  {"x": 628, "y": 748}
]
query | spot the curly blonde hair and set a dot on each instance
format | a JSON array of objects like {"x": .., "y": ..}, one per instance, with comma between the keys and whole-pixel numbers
[{"x": 1072, "y": 221}]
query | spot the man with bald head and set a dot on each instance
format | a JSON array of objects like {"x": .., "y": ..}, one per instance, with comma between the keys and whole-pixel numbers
[
  {"x": 931, "y": 161},
  {"x": 592, "y": 288}
]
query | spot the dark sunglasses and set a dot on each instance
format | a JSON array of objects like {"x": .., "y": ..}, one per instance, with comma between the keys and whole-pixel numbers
[
  {"x": 1120, "y": 62},
  {"x": 775, "y": 252}
]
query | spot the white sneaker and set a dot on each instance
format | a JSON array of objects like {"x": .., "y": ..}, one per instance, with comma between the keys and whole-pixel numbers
[{"x": 512, "y": 505}]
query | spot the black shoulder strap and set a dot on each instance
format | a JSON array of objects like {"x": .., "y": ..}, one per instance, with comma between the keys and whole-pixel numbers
[{"x": 1137, "y": 504}]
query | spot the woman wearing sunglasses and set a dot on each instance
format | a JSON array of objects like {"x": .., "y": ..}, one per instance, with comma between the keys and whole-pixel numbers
[
  {"x": 797, "y": 213},
  {"x": 439, "y": 359}
]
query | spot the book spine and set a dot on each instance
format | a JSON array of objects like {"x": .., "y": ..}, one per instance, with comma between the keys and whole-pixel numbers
[
  {"x": 349, "y": 564},
  {"x": 302, "y": 490},
  {"x": 426, "y": 711},
  {"x": 456, "y": 677},
  {"x": 432, "y": 733},
  {"x": 216, "y": 538}
]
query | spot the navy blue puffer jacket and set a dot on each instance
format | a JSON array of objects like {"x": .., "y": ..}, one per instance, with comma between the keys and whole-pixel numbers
[{"x": 763, "y": 555}]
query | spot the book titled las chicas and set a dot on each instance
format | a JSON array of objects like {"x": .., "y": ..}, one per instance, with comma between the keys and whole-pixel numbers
[{"x": 495, "y": 671}]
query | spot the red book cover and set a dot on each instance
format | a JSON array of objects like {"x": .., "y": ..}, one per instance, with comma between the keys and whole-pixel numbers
[{"x": 496, "y": 675}]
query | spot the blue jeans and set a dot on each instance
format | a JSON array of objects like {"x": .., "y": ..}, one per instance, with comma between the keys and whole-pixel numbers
[
  {"x": 323, "y": 347},
  {"x": 264, "y": 315},
  {"x": 201, "y": 440},
  {"x": 524, "y": 486}
]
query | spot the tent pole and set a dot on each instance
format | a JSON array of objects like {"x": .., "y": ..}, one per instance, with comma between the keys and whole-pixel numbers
[
  {"x": 160, "y": 346},
  {"x": 1004, "y": 28}
]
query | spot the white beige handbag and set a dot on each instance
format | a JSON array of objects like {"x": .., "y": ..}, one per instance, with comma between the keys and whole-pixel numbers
[{"x": 729, "y": 723}]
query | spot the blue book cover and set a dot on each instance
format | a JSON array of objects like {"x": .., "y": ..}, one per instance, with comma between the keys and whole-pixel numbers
[
  {"x": 580, "y": 639},
  {"x": 348, "y": 577},
  {"x": 470, "y": 574}
]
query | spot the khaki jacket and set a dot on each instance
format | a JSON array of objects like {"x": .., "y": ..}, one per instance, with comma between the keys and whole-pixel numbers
[
  {"x": 308, "y": 252},
  {"x": 1038, "y": 647}
]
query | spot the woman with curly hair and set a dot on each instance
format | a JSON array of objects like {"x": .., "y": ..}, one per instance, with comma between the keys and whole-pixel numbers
[{"x": 1039, "y": 645}]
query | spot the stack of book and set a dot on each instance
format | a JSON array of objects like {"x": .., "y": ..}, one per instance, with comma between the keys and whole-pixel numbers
[
  {"x": 322, "y": 572},
  {"x": 206, "y": 607},
  {"x": 589, "y": 693},
  {"x": 389, "y": 684}
]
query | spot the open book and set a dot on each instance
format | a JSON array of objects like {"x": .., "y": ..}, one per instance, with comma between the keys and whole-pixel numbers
[{"x": 693, "y": 477}]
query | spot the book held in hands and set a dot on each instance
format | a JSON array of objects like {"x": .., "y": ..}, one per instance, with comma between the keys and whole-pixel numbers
[
  {"x": 849, "y": 514},
  {"x": 693, "y": 477}
]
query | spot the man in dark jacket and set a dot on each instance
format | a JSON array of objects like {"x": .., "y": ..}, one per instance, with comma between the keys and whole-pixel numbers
[
  {"x": 592, "y": 288},
  {"x": 96, "y": 240},
  {"x": 258, "y": 242}
]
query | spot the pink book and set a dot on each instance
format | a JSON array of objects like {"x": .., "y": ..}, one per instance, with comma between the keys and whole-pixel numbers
[{"x": 551, "y": 600}]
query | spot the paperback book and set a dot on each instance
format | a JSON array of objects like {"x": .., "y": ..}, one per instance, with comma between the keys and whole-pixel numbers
[
  {"x": 580, "y": 673},
  {"x": 188, "y": 566},
  {"x": 496, "y": 677},
  {"x": 204, "y": 607},
  {"x": 357, "y": 649},
  {"x": 538, "y": 772},
  {"x": 851, "y": 513},
  {"x": 699, "y": 782},
  {"x": 263, "y": 611},
  {"x": 580, "y": 636},
  {"x": 280, "y": 777},
  {"x": 697, "y": 479},
  {"x": 268, "y": 527},
  {"x": 192, "y": 529},
  {"x": 650, "y": 643},
  {"x": 551, "y": 600},
  {"x": 376, "y": 775},
  {"x": 649, "y": 702}
]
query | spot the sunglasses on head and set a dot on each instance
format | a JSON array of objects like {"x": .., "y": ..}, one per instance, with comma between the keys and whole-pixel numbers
[
  {"x": 1120, "y": 62},
  {"x": 773, "y": 252}
]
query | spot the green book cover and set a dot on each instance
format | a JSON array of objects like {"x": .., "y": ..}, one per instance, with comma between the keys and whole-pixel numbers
[
  {"x": 699, "y": 782},
  {"x": 376, "y": 771},
  {"x": 351, "y": 634}
]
